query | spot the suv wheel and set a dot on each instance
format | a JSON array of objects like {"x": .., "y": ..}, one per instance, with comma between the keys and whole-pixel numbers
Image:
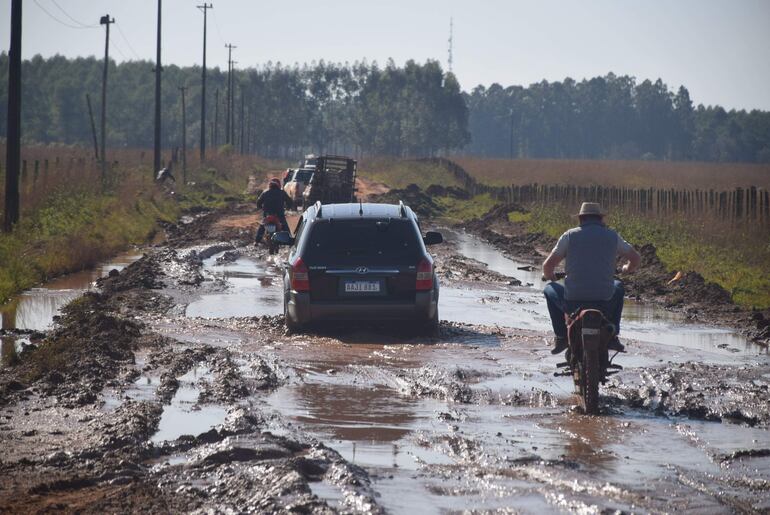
[
  {"x": 292, "y": 326},
  {"x": 430, "y": 327}
]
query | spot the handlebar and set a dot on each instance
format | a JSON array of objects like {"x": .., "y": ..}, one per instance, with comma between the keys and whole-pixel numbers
[{"x": 559, "y": 275}]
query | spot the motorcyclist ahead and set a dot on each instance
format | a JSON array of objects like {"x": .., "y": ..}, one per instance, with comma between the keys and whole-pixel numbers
[
  {"x": 591, "y": 251},
  {"x": 272, "y": 201}
]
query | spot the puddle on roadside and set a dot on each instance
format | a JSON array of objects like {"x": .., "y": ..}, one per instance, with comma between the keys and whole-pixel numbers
[
  {"x": 255, "y": 288},
  {"x": 35, "y": 308},
  {"x": 183, "y": 416},
  {"x": 143, "y": 388},
  {"x": 474, "y": 248}
]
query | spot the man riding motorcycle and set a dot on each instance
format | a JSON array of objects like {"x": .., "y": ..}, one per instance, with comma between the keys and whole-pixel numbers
[
  {"x": 591, "y": 251},
  {"x": 272, "y": 202}
]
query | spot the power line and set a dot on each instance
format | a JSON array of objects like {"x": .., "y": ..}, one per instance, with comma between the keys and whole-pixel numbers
[
  {"x": 60, "y": 21},
  {"x": 83, "y": 25},
  {"x": 216, "y": 24},
  {"x": 112, "y": 40},
  {"x": 130, "y": 47}
]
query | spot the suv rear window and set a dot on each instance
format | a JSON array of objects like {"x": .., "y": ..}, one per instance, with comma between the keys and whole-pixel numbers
[
  {"x": 363, "y": 242},
  {"x": 303, "y": 176}
]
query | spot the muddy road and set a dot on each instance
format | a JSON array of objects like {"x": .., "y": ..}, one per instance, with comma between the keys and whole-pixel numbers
[{"x": 173, "y": 387}]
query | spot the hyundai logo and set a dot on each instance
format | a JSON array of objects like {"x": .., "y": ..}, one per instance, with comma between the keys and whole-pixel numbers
[{"x": 362, "y": 269}]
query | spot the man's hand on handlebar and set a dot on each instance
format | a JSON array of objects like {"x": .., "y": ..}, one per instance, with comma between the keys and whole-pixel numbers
[{"x": 554, "y": 276}]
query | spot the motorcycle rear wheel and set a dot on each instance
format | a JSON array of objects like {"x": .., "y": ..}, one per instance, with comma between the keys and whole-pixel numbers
[{"x": 589, "y": 375}]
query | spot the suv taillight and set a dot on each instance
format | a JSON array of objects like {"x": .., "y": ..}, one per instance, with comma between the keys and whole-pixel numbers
[
  {"x": 298, "y": 272},
  {"x": 424, "y": 275}
]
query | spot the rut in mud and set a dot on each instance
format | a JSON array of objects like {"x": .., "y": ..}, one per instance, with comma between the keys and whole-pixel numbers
[{"x": 174, "y": 388}]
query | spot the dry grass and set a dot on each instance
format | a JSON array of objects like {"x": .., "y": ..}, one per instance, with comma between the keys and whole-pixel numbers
[
  {"x": 73, "y": 169},
  {"x": 399, "y": 173},
  {"x": 631, "y": 174}
]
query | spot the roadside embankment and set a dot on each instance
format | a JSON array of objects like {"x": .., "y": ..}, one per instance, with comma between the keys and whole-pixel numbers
[{"x": 79, "y": 224}]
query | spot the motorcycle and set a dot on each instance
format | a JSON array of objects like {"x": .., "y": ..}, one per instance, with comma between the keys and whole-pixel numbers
[
  {"x": 272, "y": 225},
  {"x": 587, "y": 356},
  {"x": 588, "y": 361}
]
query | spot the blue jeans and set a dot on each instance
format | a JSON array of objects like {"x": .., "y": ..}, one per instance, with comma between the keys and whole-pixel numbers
[{"x": 557, "y": 307}]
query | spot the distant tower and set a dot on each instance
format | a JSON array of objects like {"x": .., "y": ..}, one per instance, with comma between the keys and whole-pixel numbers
[{"x": 451, "y": 37}]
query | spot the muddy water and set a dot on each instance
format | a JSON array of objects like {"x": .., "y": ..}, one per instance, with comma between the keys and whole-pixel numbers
[
  {"x": 253, "y": 288},
  {"x": 35, "y": 308},
  {"x": 525, "y": 307},
  {"x": 184, "y": 416},
  {"x": 475, "y": 419},
  {"x": 517, "y": 444}
]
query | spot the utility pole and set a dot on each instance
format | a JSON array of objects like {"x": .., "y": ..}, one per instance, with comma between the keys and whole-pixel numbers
[
  {"x": 232, "y": 101},
  {"x": 242, "y": 121},
  {"x": 216, "y": 118},
  {"x": 248, "y": 130},
  {"x": 106, "y": 21},
  {"x": 511, "y": 137},
  {"x": 13, "y": 143},
  {"x": 156, "y": 155},
  {"x": 184, "y": 137},
  {"x": 228, "y": 112},
  {"x": 93, "y": 126},
  {"x": 451, "y": 42},
  {"x": 204, "y": 8}
]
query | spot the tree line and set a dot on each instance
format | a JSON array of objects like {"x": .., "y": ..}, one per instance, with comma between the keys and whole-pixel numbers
[
  {"x": 276, "y": 110},
  {"x": 363, "y": 108},
  {"x": 611, "y": 117}
]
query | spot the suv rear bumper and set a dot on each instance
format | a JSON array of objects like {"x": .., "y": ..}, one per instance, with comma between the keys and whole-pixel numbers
[{"x": 303, "y": 311}]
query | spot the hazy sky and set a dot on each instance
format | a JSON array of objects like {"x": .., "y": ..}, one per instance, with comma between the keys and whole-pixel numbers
[{"x": 718, "y": 49}]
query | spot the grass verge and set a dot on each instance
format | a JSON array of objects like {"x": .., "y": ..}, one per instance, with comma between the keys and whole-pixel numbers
[
  {"x": 77, "y": 227},
  {"x": 735, "y": 258}
]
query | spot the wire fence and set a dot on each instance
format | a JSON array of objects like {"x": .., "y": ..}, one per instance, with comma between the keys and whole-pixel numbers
[{"x": 743, "y": 204}]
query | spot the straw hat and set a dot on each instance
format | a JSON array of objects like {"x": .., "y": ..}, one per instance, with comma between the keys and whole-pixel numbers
[{"x": 591, "y": 208}]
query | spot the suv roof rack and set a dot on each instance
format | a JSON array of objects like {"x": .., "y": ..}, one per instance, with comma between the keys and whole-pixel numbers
[
  {"x": 318, "y": 209},
  {"x": 402, "y": 208}
]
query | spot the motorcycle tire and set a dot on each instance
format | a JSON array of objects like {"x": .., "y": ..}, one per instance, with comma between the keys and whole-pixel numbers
[{"x": 590, "y": 383}]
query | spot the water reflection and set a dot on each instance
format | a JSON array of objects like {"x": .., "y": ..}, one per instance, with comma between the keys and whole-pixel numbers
[
  {"x": 589, "y": 438},
  {"x": 474, "y": 248},
  {"x": 254, "y": 289},
  {"x": 35, "y": 308},
  {"x": 368, "y": 425}
]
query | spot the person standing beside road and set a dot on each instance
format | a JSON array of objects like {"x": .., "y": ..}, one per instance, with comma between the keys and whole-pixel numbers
[
  {"x": 272, "y": 201},
  {"x": 591, "y": 251}
]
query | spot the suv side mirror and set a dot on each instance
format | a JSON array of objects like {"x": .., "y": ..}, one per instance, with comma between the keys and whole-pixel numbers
[
  {"x": 283, "y": 238},
  {"x": 433, "y": 238}
]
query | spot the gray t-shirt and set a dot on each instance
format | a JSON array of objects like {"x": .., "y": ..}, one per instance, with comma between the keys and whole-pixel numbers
[{"x": 591, "y": 252}]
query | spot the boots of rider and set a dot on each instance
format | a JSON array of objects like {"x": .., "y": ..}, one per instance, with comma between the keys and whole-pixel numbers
[
  {"x": 554, "y": 298},
  {"x": 614, "y": 313},
  {"x": 260, "y": 234}
]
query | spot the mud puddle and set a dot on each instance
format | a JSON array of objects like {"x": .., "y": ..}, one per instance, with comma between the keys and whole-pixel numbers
[
  {"x": 34, "y": 309},
  {"x": 369, "y": 425},
  {"x": 184, "y": 415},
  {"x": 515, "y": 441},
  {"x": 253, "y": 287}
]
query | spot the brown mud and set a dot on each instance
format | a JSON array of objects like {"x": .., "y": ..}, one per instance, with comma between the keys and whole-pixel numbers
[{"x": 175, "y": 388}]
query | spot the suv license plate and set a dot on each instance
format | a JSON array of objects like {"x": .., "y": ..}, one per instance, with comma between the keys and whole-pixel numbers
[
  {"x": 271, "y": 228},
  {"x": 362, "y": 287}
]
